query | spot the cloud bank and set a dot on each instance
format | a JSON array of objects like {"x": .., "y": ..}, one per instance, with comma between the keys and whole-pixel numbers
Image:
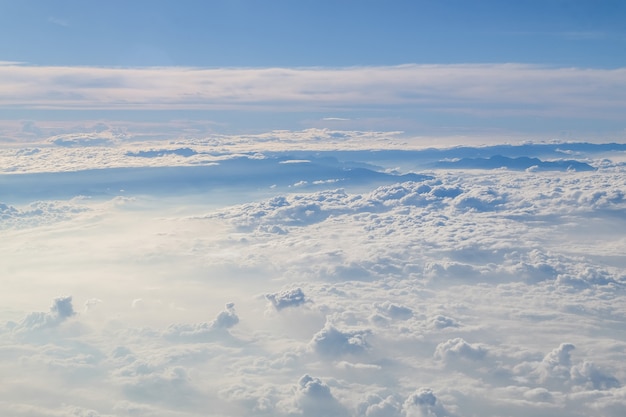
[
  {"x": 488, "y": 89},
  {"x": 451, "y": 292}
]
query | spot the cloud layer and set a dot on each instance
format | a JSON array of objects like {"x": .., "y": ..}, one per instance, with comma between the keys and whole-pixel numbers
[
  {"x": 454, "y": 292},
  {"x": 497, "y": 89}
]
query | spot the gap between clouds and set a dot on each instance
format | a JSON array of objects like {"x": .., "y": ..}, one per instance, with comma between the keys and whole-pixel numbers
[{"x": 488, "y": 89}]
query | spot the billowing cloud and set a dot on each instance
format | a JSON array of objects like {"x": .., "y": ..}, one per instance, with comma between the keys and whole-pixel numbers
[
  {"x": 590, "y": 376},
  {"x": 333, "y": 342},
  {"x": 556, "y": 369},
  {"x": 204, "y": 331},
  {"x": 557, "y": 363},
  {"x": 395, "y": 311},
  {"x": 312, "y": 397},
  {"x": 441, "y": 322},
  {"x": 287, "y": 298},
  {"x": 376, "y": 406},
  {"x": 455, "y": 349},
  {"x": 424, "y": 403},
  {"x": 60, "y": 310}
]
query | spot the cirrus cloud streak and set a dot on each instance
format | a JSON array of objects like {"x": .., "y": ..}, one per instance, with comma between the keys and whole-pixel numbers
[{"x": 484, "y": 89}]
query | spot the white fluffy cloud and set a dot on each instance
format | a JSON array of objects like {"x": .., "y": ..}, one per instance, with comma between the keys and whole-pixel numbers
[
  {"x": 60, "y": 310},
  {"x": 458, "y": 348},
  {"x": 424, "y": 403},
  {"x": 204, "y": 331},
  {"x": 312, "y": 397},
  {"x": 39, "y": 213},
  {"x": 287, "y": 298},
  {"x": 333, "y": 342}
]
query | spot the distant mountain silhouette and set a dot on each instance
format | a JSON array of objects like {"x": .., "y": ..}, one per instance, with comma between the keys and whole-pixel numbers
[
  {"x": 520, "y": 163},
  {"x": 414, "y": 159},
  {"x": 305, "y": 169},
  {"x": 186, "y": 152},
  {"x": 240, "y": 172}
]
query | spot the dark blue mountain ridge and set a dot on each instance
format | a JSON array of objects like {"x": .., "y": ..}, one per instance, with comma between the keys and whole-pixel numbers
[
  {"x": 427, "y": 158},
  {"x": 519, "y": 163},
  {"x": 185, "y": 152},
  {"x": 240, "y": 173}
]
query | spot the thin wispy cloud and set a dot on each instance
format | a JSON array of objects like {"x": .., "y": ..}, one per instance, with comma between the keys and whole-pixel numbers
[
  {"x": 486, "y": 89},
  {"x": 58, "y": 21}
]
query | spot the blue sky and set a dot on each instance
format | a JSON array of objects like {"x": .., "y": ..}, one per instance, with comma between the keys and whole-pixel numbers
[
  {"x": 311, "y": 33},
  {"x": 584, "y": 35}
]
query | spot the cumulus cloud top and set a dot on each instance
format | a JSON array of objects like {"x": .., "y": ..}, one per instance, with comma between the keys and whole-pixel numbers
[
  {"x": 331, "y": 342},
  {"x": 60, "y": 310},
  {"x": 376, "y": 406},
  {"x": 313, "y": 398},
  {"x": 458, "y": 348},
  {"x": 556, "y": 369},
  {"x": 40, "y": 213},
  {"x": 287, "y": 298},
  {"x": 204, "y": 331},
  {"x": 422, "y": 403}
]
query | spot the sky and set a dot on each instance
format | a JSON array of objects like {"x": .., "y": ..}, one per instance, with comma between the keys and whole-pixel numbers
[
  {"x": 312, "y": 208},
  {"x": 313, "y": 33},
  {"x": 488, "y": 54}
]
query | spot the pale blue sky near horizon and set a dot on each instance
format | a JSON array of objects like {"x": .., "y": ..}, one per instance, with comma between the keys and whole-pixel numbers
[{"x": 206, "y": 34}]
